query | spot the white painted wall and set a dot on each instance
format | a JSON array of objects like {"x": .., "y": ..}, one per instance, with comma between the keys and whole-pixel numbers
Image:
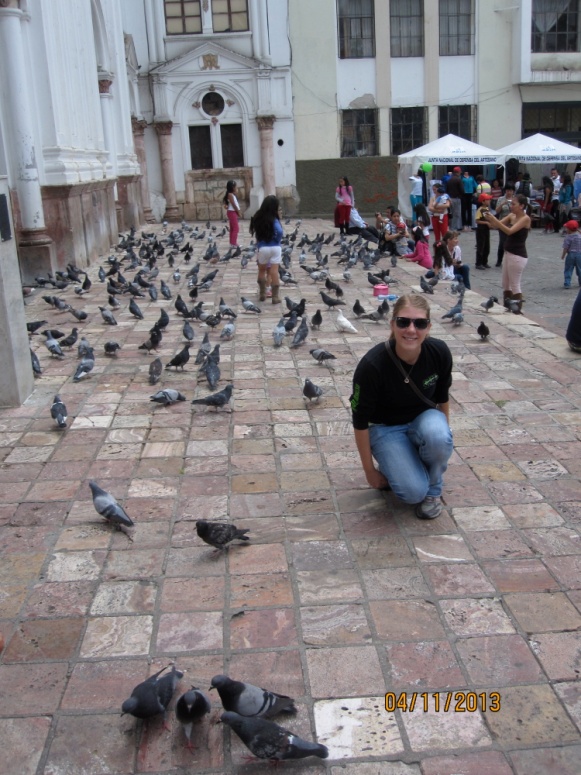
[
  {"x": 457, "y": 80},
  {"x": 356, "y": 80},
  {"x": 407, "y": 82}
]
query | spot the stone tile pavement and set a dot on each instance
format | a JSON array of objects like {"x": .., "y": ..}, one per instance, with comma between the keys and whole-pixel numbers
[{"x": 412, "y": 648}]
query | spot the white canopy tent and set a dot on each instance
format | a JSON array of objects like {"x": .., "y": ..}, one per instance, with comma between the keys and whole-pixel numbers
[
  {"x": 540, "y": 149},
  {"x": 450, "y": 150}
]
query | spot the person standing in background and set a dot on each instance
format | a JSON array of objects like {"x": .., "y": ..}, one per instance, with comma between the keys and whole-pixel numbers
[
  {"x": 468, "y": 188},
  {"x": 555, "y": 177},
  {"x": 502, "y": 210},
  {"x": 439, "y": 206},
  {"x": 482, "y": 232},
  {"x": 571, "y": 252},
  {"x": 416, "y": 196},
  {"x": 454, "y": 189},
  {"x": 565, "y": 198},
  {"x": 232, "y": 211},
  {"x": 345, "y": 201}
]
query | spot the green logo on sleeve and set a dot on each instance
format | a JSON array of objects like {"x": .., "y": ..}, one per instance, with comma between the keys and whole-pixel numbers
[{"x": 355, "y": 398}]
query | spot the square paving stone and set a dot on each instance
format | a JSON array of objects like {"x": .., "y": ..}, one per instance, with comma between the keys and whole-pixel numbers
[
  {"x": 198, "y": 594},
  {"x": 117, "y": 636},
  {"x": 458, "y": 580},
  {"x": 23, "y": 741},
  {"x": 104, "y": 745},
  {"x": 377, "y": 768},
  {"x": 520, "y": 576},
  {"x": 548, "y": 761},
  {"x": 11, "y": 600},
  {"x": 280, "y": 671},
  {"x": 481, "y": 763},
  {"x": 344, "y": 671},
  {"x": 265, "y": 628},
  {"x": 398, "y": 583},
  {"x": 98, "y": 686},
  {"x": 320, "y": 555},
  {"x": 498, "y": 544},
  {"x": 566, "y": 569},
  {"x": 194, "y": 562},
  {"x": 530, "y": 716},
  {"x": 44, "y": 639},
  {"x": 554, "y": 541},
  {"x": 124, "y": 597},
  {"x": 425, "y": 665},
  {"x": 467, "y": 617},
  {"x": 323, "y": 527},
  {"x": 190, "y": 631},
  {"x": 406, "y": 620},
  {"x": 499, "y": 660},
  {"x": 354, "y": 727},
  {"x": 261, "y": 558},
  {"x": 32, "y": 688},
  {"x": 570, "y": 694},
  {"x": 59, "y": 599},
  {"x": 533, "y": 515},
  {"x": 137, "y": 563},
  {"x": 559, "y": 654},
  {"x": 543, "y": 611},
  {"x": 75, "y": 566},
  {"x": 325, "y": 625},
  {"x": 480, "y": 518},
  {"x": 267, "y": 589},
  {"x": 83, "y": 538},
  {"x": 432, "y": 731},
  {"x": 328, "y": 586},
  {"x": 255, "y": 505},
  {"x": 386, "y": 552},
  {"x": 442, "y": 548}
]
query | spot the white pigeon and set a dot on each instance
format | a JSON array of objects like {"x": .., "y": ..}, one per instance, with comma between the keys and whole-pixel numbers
[{"x": 343, "y": 324}]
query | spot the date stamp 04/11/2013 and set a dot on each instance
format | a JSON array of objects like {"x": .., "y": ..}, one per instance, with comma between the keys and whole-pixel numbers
[{"x": 443, "y": 702}]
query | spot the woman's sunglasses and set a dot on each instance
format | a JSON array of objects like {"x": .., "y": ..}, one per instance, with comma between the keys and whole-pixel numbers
[{"x": 420, "y": 323}]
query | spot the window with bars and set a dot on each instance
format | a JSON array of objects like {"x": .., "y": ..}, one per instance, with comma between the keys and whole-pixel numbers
[
  {"x": 457, "y": 120},
  {"x": 555, "y": 26},
  {"x": 406, "y": 28},
  {"x": 228, "y": 144},
  {"x": 557, "y": 119},
  {"x": 408, "y": 129},
  {"x": 230, "y": 15},
  {"x": 231, "y": 141},
  {"x": 356, "y": 21},
  {"x": 183, "y": 17},
  {"x": 359, "y": 133},
  {"x": 456, "y": 27}
]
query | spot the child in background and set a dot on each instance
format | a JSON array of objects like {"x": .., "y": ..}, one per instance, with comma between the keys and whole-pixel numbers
[
  {"x": 421, "y": 254},
  {"x": 443, "y": 265},
  {"x": 482, "y": 232},
  {"x": 571, "y": 252},
  {"x": 232, "y": 211},
  {"x": 461, "y": 271},
  {"x": 422, "y": 219}
]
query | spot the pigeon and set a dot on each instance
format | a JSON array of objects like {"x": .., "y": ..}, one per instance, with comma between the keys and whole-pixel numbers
[
  {"x": 458, "y": 319},
  {"x": 180, "y": 306},
  {"x": 108, "y": 316},
  {"x": 134, "y": 309},
  {"x": 267, "y": 740},
  {"x": 181, "y": 358},
  {"x": 106, "y": 505},
  {"x": 165, "y": 291},
  {"x": 204, "y": 350},
  {"x": 514, "y": 306},
  {"x": 311, "y": 391},
  {"x": 152, "y": 290},
  {"x": 191, "y": 707},
  {"x": 228, "y": 331},
  {"x": 219, "y": 534},
  {"x": 454, "y": 310},
  {"x": 53, "y": 333},
  {"x": 279, "y": 332},
  {"x": 36, "y": 370},
  {"x": 155, "y": 369},
  {"x": 167, "y": 397},
  {"x": 151, "y": 697},
  {"x": 322, "y": 356},
  {"x": 343, "y": 324},
  {"x": 53, "y": 346},
  {"x": 483, "y": 331},
  {"x": 33, "y": 327},
  {"x": 163, "y": 320},
  {"x": 111, "y": 347},
  {"x": 317, "y": 319},
  {"x": 79, "y": 314},
  {"x": 71, "y": 339},
  {"x": 329, "y": 301},
  {"x": 251, "y": 701},
  {"x": 212, "y": 371},
  {"x": 489, "y": 303},
  {"x": 301, "y": 333},
  {"x": 425, "y": 285},
  {"x": 216, "y": 399},
  {"x": 83, "y": 348},
  {"x": 188, "y": 331},
  {"x": 101, "y": 274},
  {"x": 358, "y": 308},
  {"x": 113, "y": 302},
  {"x": 58, "y": 412},
  {"x": 225, "y": 310},
  {"x": 249, "y": 306},
  {"x": 85, "y": 366}
]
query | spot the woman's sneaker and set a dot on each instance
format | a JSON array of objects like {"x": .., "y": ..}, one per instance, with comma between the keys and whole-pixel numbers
[{"x": 429, "y": 508}]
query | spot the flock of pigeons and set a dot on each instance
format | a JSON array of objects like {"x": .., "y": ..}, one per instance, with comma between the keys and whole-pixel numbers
[{"x": 246, "y": 707}]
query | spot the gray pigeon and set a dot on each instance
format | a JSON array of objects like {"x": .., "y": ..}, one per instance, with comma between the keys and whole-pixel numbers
[
  {"x": 317, "y": 319},
  {"x": 219, "y": 534},
  {"x": 249, "y": 700},
  {"x": 489, "y": 303},
  {"x": 322, "y": 356},
  {"x": 311, "y": 391},
  {"x": 134, "y": 309},
  {"x": 188, "y": 331},
  {"x": 85, "y": 366},
  {"x": 425, "y": 285},
  {"x": 53, "y": 346},
  {"x": 106, "y": 505},
  {"x": 155, "y": 369},
  {"x": 191, "y": 707},
  {"x": 108, "y": 316},
  {"x": 216, "y": 400},
  {"x": 267, "y": 740},
  {"x": 37, "y": 371},
  {"x": 458, "y": 319},
  {"x": 58, "y": 412},
  {"x": 483, "y": 331},
  {"x": 167, "y": 397},
  {"x": 84, "y": 347},
  {"x": 152, "y": 697},
  {"x": 301, "y": 333},
  {"x": 454, "y": 310},
  {"x": 111, "y": 348},
  {"x": 228, "y": 331},
  {"x": 249, "y": 306},
  {"x": 279, "y": 333}
]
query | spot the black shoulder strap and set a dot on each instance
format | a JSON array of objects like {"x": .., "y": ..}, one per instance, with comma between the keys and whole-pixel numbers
[{"x": 407, "y": 379}]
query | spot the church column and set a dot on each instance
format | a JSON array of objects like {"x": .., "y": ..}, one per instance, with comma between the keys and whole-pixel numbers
[
  {"x": 265, "y": 125},
  {"x": 163, "y": 129},
  {"x": 106, "y": 101},
  {"x": 139, "y": 143}
]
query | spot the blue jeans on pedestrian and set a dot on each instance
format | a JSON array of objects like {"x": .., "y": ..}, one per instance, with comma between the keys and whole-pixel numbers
[
  {"x": 572, "y": 262},
  {"x": 415, "y": 200},
  {"x": 414, "y": 456}
]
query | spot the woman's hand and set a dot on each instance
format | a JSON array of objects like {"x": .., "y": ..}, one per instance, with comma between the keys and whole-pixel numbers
[{"x": 376, "y": 479}]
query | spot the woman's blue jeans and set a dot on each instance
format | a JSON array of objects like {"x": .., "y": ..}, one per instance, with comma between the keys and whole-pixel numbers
[{"x": 413, "y": 457}]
